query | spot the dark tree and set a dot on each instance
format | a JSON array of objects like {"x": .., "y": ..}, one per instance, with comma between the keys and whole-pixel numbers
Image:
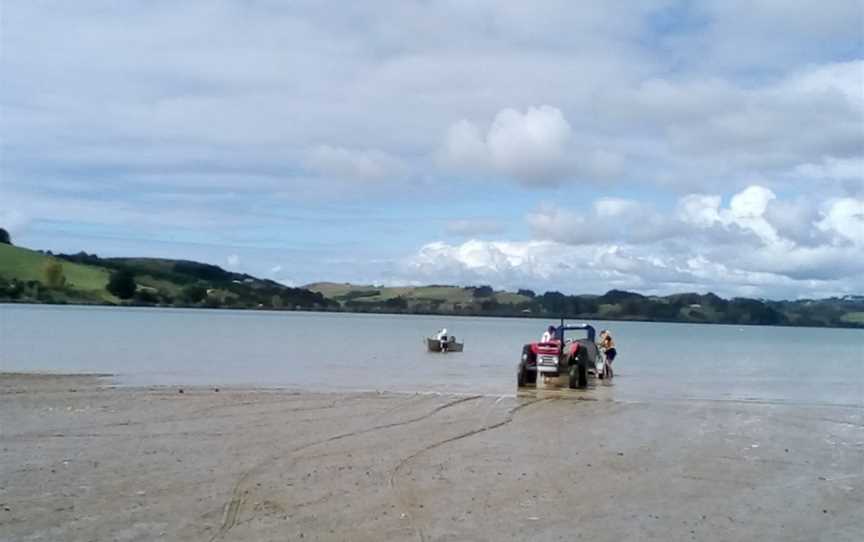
[
  {"x": 146, "y": 297},
  {"x": 122, "y": 284},
  {"x": 4, "y": 237},
  {"x": 490, "y": 305},
  {"x": 397, "y": 302},
  {"x": 553, "y": 302},
  {"x": 483, "y": 291},
  {"x": 202, "y": 271},
  {"x": 194, "y": 293},
  {"x": 616, "y": 296}
]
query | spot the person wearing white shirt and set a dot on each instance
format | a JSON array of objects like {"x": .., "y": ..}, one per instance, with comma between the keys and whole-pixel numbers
[
  {"x": 442, "y": 339},
  {"x": 548, "y": 335}
]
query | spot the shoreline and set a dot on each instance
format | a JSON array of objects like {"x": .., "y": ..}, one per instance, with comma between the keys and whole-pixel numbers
[
  {"x": 592, "y": 393},
  {"x": 851, "y": 326},
  {"x": 82, "y": 460}
]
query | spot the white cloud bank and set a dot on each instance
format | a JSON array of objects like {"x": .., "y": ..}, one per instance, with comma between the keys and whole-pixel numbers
[
  {"x": 536, "y": 147},
  {"x": 757, "y": 244}
]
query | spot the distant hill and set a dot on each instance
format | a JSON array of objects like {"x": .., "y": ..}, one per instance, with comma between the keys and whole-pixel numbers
[
  {"x": 30, "y": 276},
  {"x": 445, "y": 298},
  {"x": 26, "y": 276},
  {"x": 26, "y": 266},
  {"x": 613, "y": 305}
]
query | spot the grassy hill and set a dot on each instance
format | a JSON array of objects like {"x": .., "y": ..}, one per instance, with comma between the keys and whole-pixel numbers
[
  {"x": 613, "y": 305},
  {"x": 25, "y": 265},
  {"x": 156, "y": 281},
  {"x": 443, "y": 298}
]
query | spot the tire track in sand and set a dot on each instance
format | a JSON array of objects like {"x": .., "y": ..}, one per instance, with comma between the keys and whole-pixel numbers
[
  {"x": 511, "y": 414},
  {"x": 239, "y": 493}
]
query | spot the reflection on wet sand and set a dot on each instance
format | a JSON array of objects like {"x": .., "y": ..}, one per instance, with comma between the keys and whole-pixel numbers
[{"x": 558, "y": 388}]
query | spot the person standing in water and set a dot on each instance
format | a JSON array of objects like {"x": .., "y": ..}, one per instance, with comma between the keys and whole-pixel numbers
[{"x": 607, "y": 344}]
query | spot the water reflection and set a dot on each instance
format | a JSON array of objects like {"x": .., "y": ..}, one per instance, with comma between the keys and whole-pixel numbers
[{"x": 558, "y": 388}]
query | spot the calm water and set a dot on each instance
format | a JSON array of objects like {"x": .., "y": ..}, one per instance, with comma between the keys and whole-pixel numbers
[{"x": 321, "y": 351}]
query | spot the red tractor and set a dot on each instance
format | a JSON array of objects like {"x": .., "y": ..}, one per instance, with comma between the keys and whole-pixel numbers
[{"x": 561, "y": 356}]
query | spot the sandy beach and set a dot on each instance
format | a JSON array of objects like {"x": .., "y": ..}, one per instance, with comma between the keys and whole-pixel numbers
[{"x": 81, "y": 459}]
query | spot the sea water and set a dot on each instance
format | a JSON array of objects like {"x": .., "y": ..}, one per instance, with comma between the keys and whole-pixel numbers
[{"x": 342, "y": 352}]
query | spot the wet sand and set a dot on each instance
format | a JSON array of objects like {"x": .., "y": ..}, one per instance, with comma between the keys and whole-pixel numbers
[{"x": 82, "y": 460}]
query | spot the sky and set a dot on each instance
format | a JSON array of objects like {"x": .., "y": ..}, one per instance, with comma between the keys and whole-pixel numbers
[{"x": 657, "y": 146}]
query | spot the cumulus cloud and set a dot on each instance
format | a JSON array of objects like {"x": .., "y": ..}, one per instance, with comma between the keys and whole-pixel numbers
[
  {"x": 756, "y": 242},
  {"x": 534, "y": 147},
  {"x": 531, "y": 145},
  {"x": 537, "y": 148},
  {"x": 845, "y": 216}
]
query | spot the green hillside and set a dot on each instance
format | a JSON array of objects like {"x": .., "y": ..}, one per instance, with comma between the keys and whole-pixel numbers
[
  {"x": 440, "y": 297},
  {"x": 27, "y": 265},
  {"x": 29, "y": 276},
  {"x": 613, "y": 305}
]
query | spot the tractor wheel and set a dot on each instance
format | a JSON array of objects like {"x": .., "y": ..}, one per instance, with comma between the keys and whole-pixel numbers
[
  {"x": 578, "y": 375},
  {"x": 574, "y": 377},
  {"x": 525, "y": 376}
]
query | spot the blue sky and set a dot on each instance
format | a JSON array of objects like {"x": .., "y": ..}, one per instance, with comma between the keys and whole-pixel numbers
[{"x": 653, "y": 145}]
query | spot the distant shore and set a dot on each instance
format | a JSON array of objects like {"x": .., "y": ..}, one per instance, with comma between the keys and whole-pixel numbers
[
  {"x": 582, "y": 318},
  {"x": 38, "y": 277},
  {"x": 83, "y": 460}
]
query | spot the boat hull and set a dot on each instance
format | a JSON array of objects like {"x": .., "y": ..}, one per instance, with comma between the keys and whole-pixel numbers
[{"x": 434, "y": 345}]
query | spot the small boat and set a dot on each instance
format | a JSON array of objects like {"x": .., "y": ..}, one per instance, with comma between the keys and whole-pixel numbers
[{"x": 434, "y": 345}]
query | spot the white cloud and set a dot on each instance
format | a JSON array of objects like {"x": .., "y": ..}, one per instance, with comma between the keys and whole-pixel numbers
[
  {"x": 743, "y": 248},
  {"x": 534, "y": 147},
  {"x": 598, "y": 267},
  {"x": 233, "y": 260},
  {"x": 699, "y": 209},
  {"x": 366, "y": 165},
  {"x": 846, "y": 217}
]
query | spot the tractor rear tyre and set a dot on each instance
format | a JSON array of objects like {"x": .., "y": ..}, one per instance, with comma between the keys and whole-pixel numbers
[{"x": 578, "y": 375}]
